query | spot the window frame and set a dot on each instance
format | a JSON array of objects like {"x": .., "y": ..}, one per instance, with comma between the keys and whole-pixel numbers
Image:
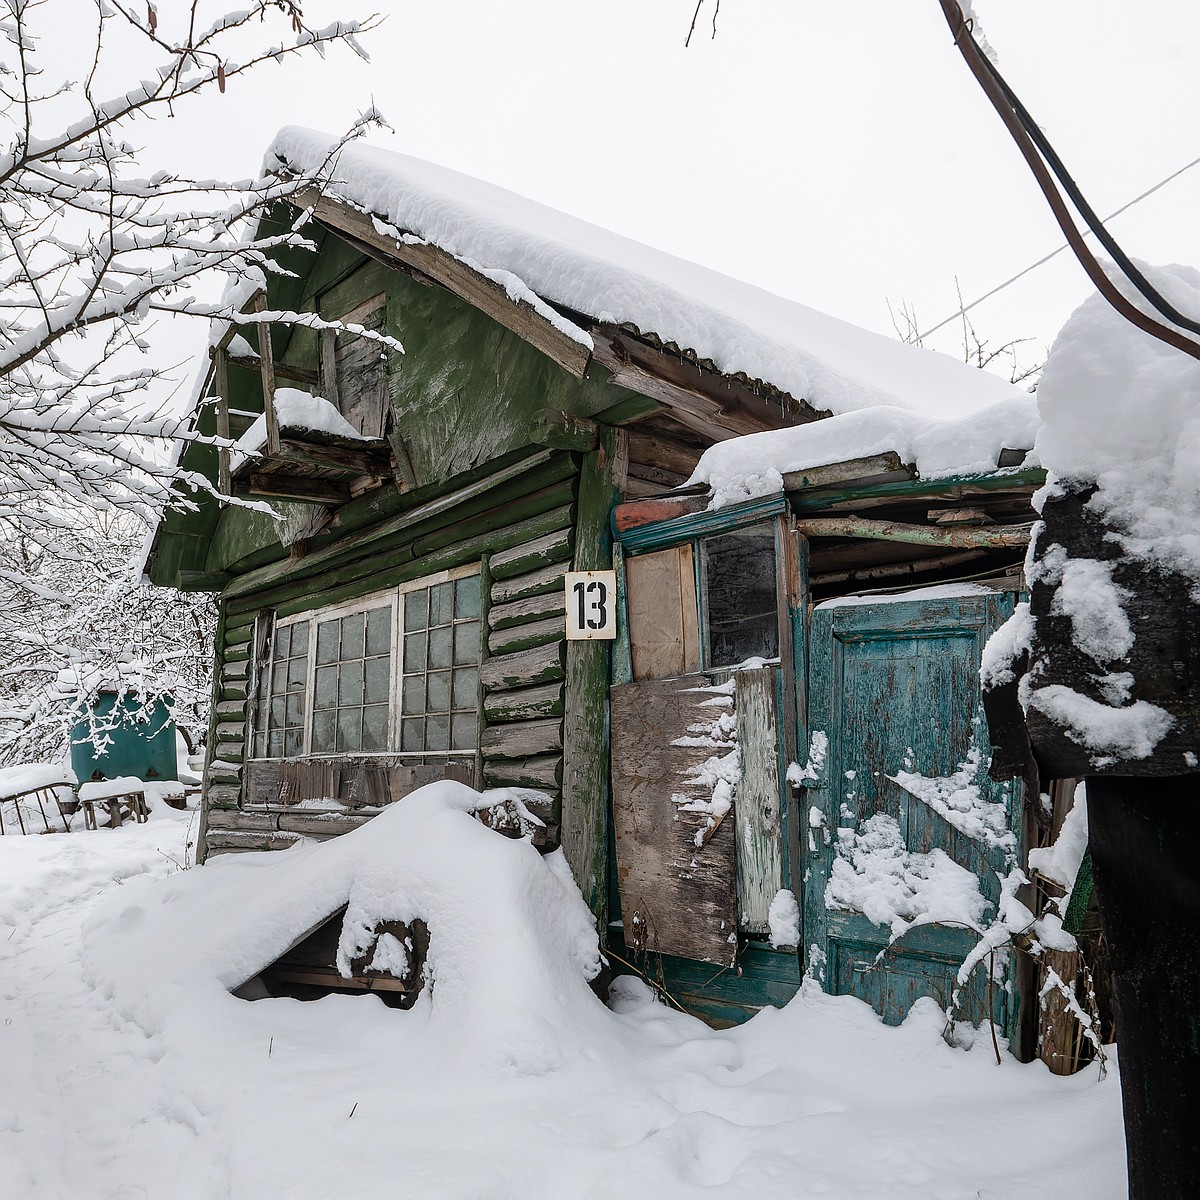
[{"x": 393, "y": 598}]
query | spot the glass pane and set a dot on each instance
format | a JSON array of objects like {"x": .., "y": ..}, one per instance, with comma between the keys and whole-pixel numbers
[
  {"x": 349, "y": 729},
  {"x": 260, "y": 745},
  {"x": 437, "y": 733},
  {"x": 441, "y": 604},
  {"x": 295, "y": 708},
  {"x": 466, "y": 688},
  {"x": 439, "y": 646},
  {"x": 293, "y": 742},
  {"x": 275, "y": 744},
  {"x": 378, "y": 674},
  {"x": 379, "y": 631},
  {"x": 283, "y": 641},
  {"x": 416, "y": 609},
  {"x": 350, "y": 684},
  {"x": 279, "y": 678},
  {"x": 412, "y": 734},
  {"x": 413, "y": 699},
  {"x": 739, "y": 572},
  {"x": 277, "y": 713},
  {"x": 353, "y": 632},
  {"x": 439, "y": 691},
  {"x": 299, "y": 639},
  {"x": 326, "y": 691},
  {"x": 322, "y": 733},
  {"x": 466, "y": 597},
  {"x": 463, "y": 731},
  {"x": 375, "y": 727},
  {"x": 297, "y": 673},
  {"x": 327, "y": 641},
  {"x": 466, "y": 642},
  {"x": 414, "y": 652}
]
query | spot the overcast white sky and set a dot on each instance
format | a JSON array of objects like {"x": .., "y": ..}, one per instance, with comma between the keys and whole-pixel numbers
[{"x": 839, "y": 154}]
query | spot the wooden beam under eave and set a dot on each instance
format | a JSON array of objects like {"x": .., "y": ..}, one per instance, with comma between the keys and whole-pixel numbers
[
  {"x": 1006, "y": 537},
  {"x": 718, "y": 406},
  {"x": 267, "y": 363},
  {"x": 299, "y": 487},
  {"x": 455, "y": 276},
  {"x": 221, "y": 369},
  {"x": 282, "y": 370}
]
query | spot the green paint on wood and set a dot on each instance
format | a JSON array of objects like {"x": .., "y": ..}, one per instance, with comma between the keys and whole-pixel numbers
[{"x": 585, "y": 776}]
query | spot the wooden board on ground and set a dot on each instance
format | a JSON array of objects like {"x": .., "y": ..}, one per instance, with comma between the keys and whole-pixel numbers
[{"x": 676, "y": 897}]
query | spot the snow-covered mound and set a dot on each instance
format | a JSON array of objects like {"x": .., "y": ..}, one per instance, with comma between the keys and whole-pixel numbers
[
  {"x": 512, "y": 945},
  {"x": 1122, "y": 409},
  {"x": 544, "y": 256}
]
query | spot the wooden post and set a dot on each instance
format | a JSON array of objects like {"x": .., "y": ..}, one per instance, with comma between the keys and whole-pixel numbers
[
  {"x": 267, "y": 363},
  {"x": 329, "y": 383},
  {"x": 221, "y": 366},
  {"x": 586, "y": 721}
]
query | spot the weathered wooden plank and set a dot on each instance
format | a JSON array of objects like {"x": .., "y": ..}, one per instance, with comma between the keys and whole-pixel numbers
[
  {"x": 218, "y": 796},
  {"x": 532, "y": 608},
  {"x": 521, "y": 739},
  {"x": 234, "y": 689},
  {"x": 543, "y": 773},
  {"x": 320, "y": 825},
  {"x": 650, "y": 447},
  {"x": 759, "y": 847},
  {"x": 266, "y": 360},
  {"x": 245, "y": 821},
  {"x": 234, "y": 670},
  {"x": 634, "y": 513},
  {"x": 547, "y": 579},
  {"x": 237, "y": 840},
  {"x": 231, "y": 731},
  {"x": 231, "y": 708},
  {"x": 221, "y": 768},
  {"x": 676, "y": 871},
  {"x": 554, "y": 547},
  {"x": 664, "y": 635},
  {"x": 298, "y": 487},
  {"x": 1013, "y": 537},
  {"x": 874, "y": 469},
  {"x": 524, "y": 637},
  {"x": 585, "y": 726},
  {"x": 543, "y": 664},
  {"x": 525, "y": 704}
]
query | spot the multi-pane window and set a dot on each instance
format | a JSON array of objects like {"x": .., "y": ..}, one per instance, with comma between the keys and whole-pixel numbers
[
  {"x": 353, "y": 682},
  {"x": 397, "y": 673},
  {"x": 285, "y": 686},
  {"x": 440, "y": 689}
]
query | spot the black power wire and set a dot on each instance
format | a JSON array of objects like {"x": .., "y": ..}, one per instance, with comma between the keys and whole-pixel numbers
[{"x": 1091, "y": 219}]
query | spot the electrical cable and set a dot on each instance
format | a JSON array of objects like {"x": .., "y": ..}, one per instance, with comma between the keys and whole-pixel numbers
[
  {"x": 1091, "y": 219},
  {"x": 974, "y": 59},
  {"x": 1116, "y": 212}
]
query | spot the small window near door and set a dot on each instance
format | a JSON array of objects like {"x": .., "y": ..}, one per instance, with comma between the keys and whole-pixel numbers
[
  {"x": 741, "y": 610},
  {"x": 703, "y": 605}
]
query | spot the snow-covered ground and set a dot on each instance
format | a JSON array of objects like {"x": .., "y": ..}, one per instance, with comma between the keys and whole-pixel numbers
[{"x": 126, "y": 1070}]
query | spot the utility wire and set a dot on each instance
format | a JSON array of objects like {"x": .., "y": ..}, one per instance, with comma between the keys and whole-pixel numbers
[
  {"x": 1049, "y": 185},
  {"x": 958, "y": 312}
]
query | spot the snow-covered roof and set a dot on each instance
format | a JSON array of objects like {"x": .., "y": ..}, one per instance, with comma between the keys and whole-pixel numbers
[{"x": 547, "y": 258}]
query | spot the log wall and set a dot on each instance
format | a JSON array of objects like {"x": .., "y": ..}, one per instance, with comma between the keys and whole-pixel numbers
[{"x": 522, "y": 533}]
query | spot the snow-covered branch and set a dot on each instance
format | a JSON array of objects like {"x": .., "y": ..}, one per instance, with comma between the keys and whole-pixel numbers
[{"x": 91, "y": 244}]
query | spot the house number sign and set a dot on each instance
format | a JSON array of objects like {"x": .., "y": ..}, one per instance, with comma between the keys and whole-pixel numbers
[{"x": 591, "y": 604}]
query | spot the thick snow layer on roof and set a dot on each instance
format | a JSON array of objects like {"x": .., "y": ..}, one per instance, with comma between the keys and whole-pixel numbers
[
  {"x": 567, "y": 262},
  {"x": 938, "y": 446},
  {"x": 1122, "y": 409}
]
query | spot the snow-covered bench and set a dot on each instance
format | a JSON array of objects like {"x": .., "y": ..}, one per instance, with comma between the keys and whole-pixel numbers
[
  {"x": 40, "y": 784},
  {"x": 124, "y": 796}
]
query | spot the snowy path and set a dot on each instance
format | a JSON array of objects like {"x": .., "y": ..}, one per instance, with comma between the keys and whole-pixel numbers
[{"x": 103, "y": 1100}]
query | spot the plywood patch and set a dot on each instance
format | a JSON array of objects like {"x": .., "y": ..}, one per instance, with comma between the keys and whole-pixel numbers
[{"x": 677, "y": 897}]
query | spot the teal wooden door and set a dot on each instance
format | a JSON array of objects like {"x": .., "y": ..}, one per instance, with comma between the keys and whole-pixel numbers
[{"x": 901, "y": 809}]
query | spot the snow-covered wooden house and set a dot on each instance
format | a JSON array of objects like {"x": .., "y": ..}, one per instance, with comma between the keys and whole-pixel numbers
[{"x": 778, "y": 763}]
